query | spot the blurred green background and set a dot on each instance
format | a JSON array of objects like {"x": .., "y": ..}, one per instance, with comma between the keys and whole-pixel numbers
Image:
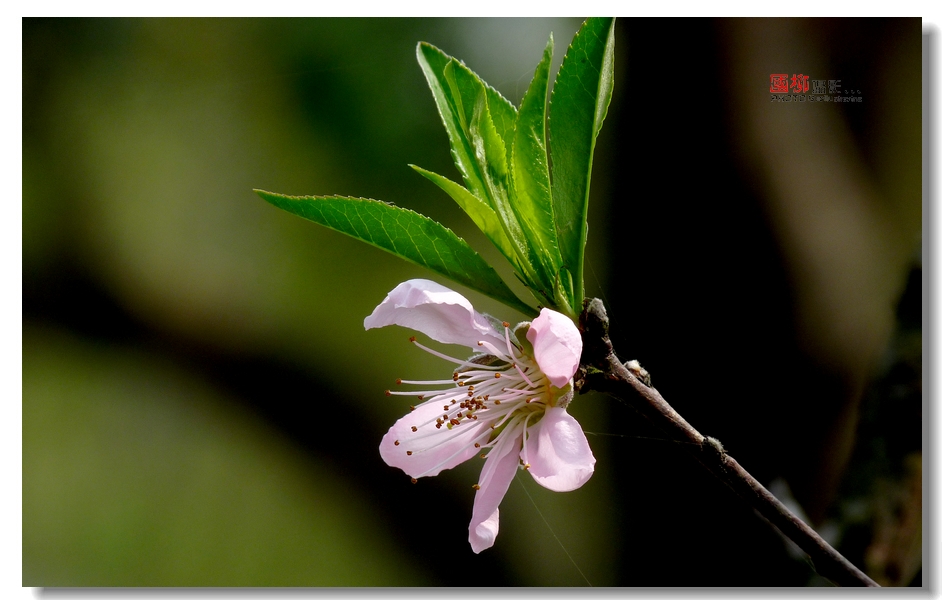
[{"x": 201, "y": 405}]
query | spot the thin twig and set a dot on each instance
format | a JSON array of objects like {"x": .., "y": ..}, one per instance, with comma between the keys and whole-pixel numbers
[{"x": 603, "y": 371}]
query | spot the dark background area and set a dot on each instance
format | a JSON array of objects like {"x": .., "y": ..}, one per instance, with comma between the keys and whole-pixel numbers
[{"x": 201, "y": 405}]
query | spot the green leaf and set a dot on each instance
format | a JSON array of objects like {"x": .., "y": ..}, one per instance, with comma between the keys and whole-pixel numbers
[
  {"x": 533, "y": 203},
  {"x": 491, "y": 152},
  {"x": 579, "y": 104},
  {"x": 481, "y": 144},
  {"x": 482, "y": 214},
  {"x": 456, "y": 90},
  {"x": 405, "y": 233}
]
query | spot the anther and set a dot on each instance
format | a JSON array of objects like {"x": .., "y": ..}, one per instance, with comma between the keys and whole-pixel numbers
[
  {"x": 496, "y": 401},
  {"x": 414, "y": 428},
  {"x": 414, "y": 480},
  {"x": 412, "y": 339},
  {"x": 506, "y": 324},
  {"x": 408, "y": 452},
  {"x": 445, "y": 407},
  {"x": 528, "y": 400},
  {"x": 399, "y": 382},
  {"x": 476, "y": 486},
  {"x": 480, "y": 343},
  {"x": 484, "y": 455},
  {"x": 455, "y": 422},
  {"x": 496, "y": 375},
  {"x": 411, "y": 408},
  {"x": 454, "y": 377},
  {"x": 526, "y": 466},
  {"x": 421, "y": 397},
  {"x": 460, "y": 384},
  {"x": 396, "y": 442},
  {"x": 453, "y": 400},
  {"x": 388, "y": 393},
  {"x": 476, "y": 445}
]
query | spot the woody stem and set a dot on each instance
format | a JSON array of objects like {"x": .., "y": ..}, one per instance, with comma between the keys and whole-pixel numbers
[{"x": 601, "y": 370}]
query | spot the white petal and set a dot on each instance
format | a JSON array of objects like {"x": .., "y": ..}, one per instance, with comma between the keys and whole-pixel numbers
[
  {"x": 498, "y": 472},
  {"x": 557, "y": 346},
  {"x": 432, "y": 449},
  {"x": 560, "y": 457},
  {"x": 440, "y": 313}
]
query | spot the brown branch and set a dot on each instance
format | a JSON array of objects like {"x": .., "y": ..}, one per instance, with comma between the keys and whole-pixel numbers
[{"x": 603, "y": 371}]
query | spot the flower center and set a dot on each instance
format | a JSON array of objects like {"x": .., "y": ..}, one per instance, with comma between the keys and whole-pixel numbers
[{"x": 502, "y": 390}]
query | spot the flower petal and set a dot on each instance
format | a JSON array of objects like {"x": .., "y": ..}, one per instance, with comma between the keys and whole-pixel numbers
[
  {"x": 498, "y": 472},
  {"x": 557, "y": 346},
  {"x": 560, "y": 457},
  {"x": 433, "y": 450},
  {"x": 440, "y": 313}
]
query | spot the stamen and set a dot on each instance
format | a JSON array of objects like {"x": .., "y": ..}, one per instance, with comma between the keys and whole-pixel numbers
[
  {"x": 516, "y": 391},
  {"x": 413, "y": 393},
  {"x": 524, "y": 375},
  {"x": 510, "y": 351},
  {"x": 451, "y": 359},
  {"x": 493, "y": 350},
  {"x": 525, "y": 460}
]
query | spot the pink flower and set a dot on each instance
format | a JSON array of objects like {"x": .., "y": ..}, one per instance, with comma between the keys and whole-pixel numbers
[{"x": 507, "y": 402}]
